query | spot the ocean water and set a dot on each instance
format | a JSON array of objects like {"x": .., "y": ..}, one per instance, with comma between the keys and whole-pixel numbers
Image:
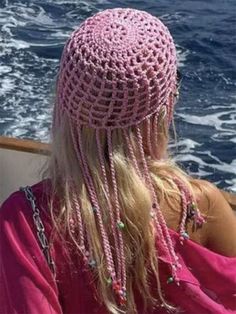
[{"x": 32, "y": 35}]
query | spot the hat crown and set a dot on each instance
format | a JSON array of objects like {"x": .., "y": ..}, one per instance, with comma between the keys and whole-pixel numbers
[{"x": 117, "y": 68}]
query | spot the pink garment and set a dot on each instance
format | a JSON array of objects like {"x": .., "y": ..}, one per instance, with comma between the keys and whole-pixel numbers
[{"x": 207, "y": 279}]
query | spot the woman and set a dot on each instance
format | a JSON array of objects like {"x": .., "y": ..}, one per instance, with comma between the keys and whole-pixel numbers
[{"x": 129, "y": 231}]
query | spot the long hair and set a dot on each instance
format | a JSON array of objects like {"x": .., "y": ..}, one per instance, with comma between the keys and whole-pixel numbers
[
  {"x": 76, "y": 215},
  {"x": 115, "y": 97}
]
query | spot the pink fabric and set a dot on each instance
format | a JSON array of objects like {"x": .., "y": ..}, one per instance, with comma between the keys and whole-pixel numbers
[{"x": 207, "y": 279}]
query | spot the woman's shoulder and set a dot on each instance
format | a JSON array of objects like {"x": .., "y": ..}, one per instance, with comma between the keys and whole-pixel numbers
[
  {"x": 209, "y": 197},
  {"x": 17, "y": 203},
  {"x": 205, "y": 193},
  {"x": 220, "y": 224}
]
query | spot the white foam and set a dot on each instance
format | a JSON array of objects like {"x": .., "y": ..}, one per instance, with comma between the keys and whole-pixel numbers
[
  {"x": 5, "y": 69},
  {"x": 230, "y": 168},
  {"x": 185, "y": 145},
  {"x": 66, "y": 2},
  {"x": 221, "y": 166},
  {"x": 6, "y": 85},
  {"x": 182, "y": 54},
  {"x": 233, "y": 140},
  {"x": 232, "y": 184},
  {"x": 215, "y": 119}
]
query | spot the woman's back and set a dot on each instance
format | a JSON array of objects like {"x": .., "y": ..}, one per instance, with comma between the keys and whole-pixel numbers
[{"x": 203, "y": 287}]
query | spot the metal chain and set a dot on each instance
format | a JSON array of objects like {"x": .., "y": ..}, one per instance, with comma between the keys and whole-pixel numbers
[{"x": 39, "y": 226}]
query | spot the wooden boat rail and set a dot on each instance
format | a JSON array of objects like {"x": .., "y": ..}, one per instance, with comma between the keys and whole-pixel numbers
[
  {"x": 28, "y": 146},
  {"x": 36, "y": 147}
]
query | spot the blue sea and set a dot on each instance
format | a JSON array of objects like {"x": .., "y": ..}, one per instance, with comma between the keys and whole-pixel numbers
[{"x": 32, "y": 35}]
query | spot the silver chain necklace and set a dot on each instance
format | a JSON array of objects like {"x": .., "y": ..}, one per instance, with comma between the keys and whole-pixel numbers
[{"x": 40, "y": 227}]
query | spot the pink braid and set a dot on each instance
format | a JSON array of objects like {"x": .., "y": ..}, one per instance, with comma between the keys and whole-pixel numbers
[
  {"x": 168, "y": 244},
  {"x": 131, "y": 152},
  {"x": 117, "y": 207},
  {"x": 86, "y": 253},
  {"x": 148, "y": 180},
  {"x": 187, "y": 200},
  {"x": 155, "y": 129},
  {"x": 77, "y": 206},
  {"x": 107, "y": 247},
  {"x": 185, "y": 196},
  {"x": 104, "y": 174},
  {"x": 148, "y": 121},
  {"x": 84, "y": 166}
]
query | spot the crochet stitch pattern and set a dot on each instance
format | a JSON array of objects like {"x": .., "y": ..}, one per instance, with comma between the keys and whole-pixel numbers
[{"x": 118, "y": 68}]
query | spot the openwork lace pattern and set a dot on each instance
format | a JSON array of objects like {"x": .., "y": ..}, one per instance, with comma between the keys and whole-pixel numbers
[{"x": 118, "y": 68}]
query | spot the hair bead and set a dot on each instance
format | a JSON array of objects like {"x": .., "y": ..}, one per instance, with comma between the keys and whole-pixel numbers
[
  {"x": 120, "y": 225},
  {"x": 109, "y": 281},
  {"x": 170, "y": 280},
  {"x": 184, "y": 235},
  {"x": 94, "y": 209},
  {"x": 92, "y": 263}
]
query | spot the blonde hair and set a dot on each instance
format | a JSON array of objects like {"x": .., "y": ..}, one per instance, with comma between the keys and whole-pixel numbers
[{"x": 141, "y": 254}]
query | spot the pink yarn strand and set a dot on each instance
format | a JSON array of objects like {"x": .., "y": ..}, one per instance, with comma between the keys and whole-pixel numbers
[
  {"x": 77, "y": 206},
  {"x": 131, "y": 152},
  {"x": 107, "y": 190},
  {"x": 87, "y": 177},
  {"x": 117, "y": 207},
  {"x": 107, "y": 247},
  {"x": 162, "y": 227},
  {"x": 155, "y": 131},
  {"x": 187, "y": 200},
  {"x": 149, "y": 142},
  {"x": 148, "y": 179}
]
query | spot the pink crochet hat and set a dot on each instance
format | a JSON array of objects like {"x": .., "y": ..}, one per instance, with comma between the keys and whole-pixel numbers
[{"x": 117, "y": 68}]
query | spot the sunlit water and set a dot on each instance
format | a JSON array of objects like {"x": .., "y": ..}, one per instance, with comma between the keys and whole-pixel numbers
[{"x": 32, "y": 36}]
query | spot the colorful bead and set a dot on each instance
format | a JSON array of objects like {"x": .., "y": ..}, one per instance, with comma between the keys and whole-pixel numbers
[
  {"x": 122, "y": 300},
  {"x": 116, "y": 286},
  {"x": 120, "y": 225},
  {"x": 185, "y": 235},
  {"x": 121, "y": 292},
  {"x": 109, "y": 280},
  {"x": 122, "y": 296},
  {"x": 170, "y": 280},
  {"x": 174, "y": 267},
  {"x": 94, "y": 209},
  {"x": 199, "y": 220},
  {"x": 194, "y": 205},
  {"x": 72, "y": 222},
  {"x": 190, "y": 212},
  {"x": 152, "y": 214},
  {"x": 92, "y": 263}
]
